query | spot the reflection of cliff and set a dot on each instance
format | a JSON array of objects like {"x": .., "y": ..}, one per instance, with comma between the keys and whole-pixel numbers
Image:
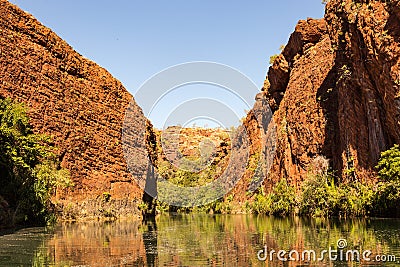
[
  {"x": 204, "y": 240},
  {"x": 96, "y": 244},
  {"x": 72, "y": 99},
  {"x": 335, "y": 90}
]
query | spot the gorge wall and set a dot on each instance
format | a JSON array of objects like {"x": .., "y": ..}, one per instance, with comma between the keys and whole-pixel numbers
[
  {"x": 335, "y": 91},
  {"x": 73, "y": 100}
]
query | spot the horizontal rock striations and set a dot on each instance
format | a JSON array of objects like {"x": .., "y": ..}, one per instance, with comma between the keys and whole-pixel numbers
[
  {"x": 73, "y": 100},
  {"x": 335, "y": 91}
]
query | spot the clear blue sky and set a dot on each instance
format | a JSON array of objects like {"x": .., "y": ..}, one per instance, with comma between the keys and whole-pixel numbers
[{"x": 136, "y": 39}]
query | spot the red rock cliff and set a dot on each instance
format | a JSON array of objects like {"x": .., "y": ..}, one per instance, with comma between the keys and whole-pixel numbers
[
  {"x": 72, "y": 99},
  {"x": 335, "y": 91}
]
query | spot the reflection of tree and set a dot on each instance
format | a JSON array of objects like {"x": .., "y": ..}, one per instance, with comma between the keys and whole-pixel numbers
[
  {"x": 198, "y": 240},
  {"x": 235, "y": 240},
  {"x": 150, "y": 241},
  {"x": 379, "y": 236}
]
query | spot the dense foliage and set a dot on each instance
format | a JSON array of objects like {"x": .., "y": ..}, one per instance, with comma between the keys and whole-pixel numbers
[
  {"x": 281, "y": 201},
  {"x": 320, "y": 196},
  {"x": 29, "y": 172},
  {"x": 389, "y": 165},
  {"x": 387, "y": 197}
]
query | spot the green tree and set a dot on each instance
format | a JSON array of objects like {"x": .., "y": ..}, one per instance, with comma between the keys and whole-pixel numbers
[
  {"x": 320, "y": 197},
  {"x": 389, "y": 164},
  {"x": 29, "y": 171},
  {"x": 387, "y": 197},
  {"x": 283, "y": 198}
]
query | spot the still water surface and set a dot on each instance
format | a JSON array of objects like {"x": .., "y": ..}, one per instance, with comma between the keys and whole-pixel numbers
[{"x": 198, "y": 240}]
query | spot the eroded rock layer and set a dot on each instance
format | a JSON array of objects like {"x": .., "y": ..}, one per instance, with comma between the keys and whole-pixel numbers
[
  {"x": 72, "y": 99},
  {"x": 335, "y": 91}
]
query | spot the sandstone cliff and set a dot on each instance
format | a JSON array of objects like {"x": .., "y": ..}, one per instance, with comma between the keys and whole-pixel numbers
[
  {"x": 335, "y": 91},
  {"x": 72, "y": 99}
]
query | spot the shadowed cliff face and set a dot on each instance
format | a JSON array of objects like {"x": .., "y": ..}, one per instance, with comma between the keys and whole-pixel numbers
[
  {"x": 335, "y": 91},
  {"x": 72, "y": 99}
]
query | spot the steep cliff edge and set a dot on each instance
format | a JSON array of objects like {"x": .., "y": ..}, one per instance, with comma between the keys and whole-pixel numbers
[
  {"x": 335, "y": 91},
  {"x": 73, "y": 100}
]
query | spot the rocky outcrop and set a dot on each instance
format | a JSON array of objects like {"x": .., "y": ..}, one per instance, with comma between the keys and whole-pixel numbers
[
  {"x": 195, "y": 147},
  {"x": 335, "y": 91},
  {"x": 73, "y": 100}
]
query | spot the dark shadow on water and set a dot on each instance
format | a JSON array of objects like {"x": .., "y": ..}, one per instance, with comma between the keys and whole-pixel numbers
[{"x": 150, "y": 241}]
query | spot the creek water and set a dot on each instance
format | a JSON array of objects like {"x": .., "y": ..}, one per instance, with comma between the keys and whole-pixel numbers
[{"x": 207, "y": 240}]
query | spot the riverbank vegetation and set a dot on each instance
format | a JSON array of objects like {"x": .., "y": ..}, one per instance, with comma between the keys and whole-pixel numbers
[
  {"x": 29, "y": 169},
  {"x": 30, "y": 173},
  {"x": 321, "y": 195}
]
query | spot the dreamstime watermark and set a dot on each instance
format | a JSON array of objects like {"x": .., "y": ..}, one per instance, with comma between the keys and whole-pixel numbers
[
  {"x": 340, "y": 253},
  {"x": 167, "y": 83}
]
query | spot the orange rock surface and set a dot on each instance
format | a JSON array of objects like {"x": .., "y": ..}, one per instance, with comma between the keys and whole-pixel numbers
[
  {"x": 335, "y": 91},
  {"x": 73, "y": 100}
]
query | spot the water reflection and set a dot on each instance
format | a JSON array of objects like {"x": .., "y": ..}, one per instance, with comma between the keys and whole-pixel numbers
[
  {"x": 195, "y": 240},
  {"x": 93, "y": 244},
  {"x": 150, "y": 241}
]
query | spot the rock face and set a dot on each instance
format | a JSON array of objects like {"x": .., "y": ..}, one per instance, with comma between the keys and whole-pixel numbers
[
  {"x": 197, "y": 147},
  {"x": 335, "y": 91},
  {"x": 72, "y": 99}
]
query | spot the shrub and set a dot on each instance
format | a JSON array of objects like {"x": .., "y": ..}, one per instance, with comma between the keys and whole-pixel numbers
[
  {"x": 281, "y": 201},
  {"x": 262, "y": 204},
  {"x": 29, "y": 167},
  {"x": 356, "y": 199},
  {"x": 322, "y": 198},
  {"x": 272, "y": 59},
  {"x": 386, "y": 201},
  {"x": 389, "y": 165},
  {"x": 319, "y": 197}
]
